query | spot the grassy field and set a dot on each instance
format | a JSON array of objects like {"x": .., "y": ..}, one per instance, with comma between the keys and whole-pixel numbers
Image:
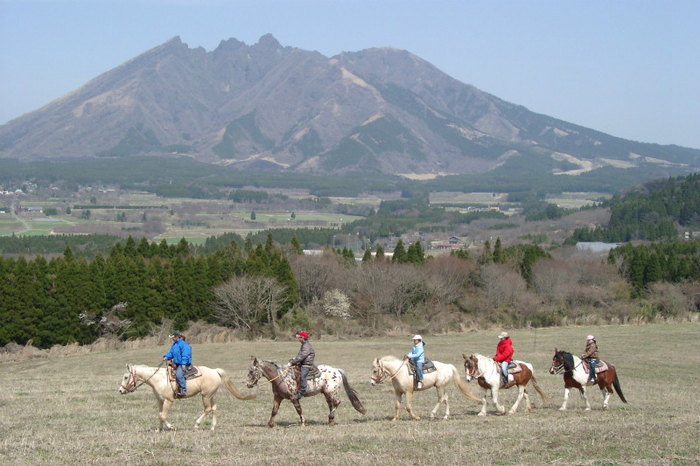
[{"x": 66, "y": 410}]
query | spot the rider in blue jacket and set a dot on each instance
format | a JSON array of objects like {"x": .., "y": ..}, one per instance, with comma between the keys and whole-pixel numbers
[
  {"x": 417, "y": 355},
  {"x": 181, "y": 355}
]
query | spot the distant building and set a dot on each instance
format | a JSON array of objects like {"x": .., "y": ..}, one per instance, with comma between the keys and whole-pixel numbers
[{"x": 596, "y": 246}]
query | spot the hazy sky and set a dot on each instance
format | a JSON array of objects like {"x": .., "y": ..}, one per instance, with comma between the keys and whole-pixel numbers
[{"x": 630, "y": 68}]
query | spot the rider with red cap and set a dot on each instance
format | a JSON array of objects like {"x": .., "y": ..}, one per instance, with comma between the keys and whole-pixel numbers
[
  {"x": 590, "y": 354},
  {"x": 304, "y": 359}
]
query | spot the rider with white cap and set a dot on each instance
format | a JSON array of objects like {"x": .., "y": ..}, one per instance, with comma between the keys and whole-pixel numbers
[
  {"x": 417, "y": 355},
  {"x": 504, "y": 354},
  {"x": 590, "y": 354}
]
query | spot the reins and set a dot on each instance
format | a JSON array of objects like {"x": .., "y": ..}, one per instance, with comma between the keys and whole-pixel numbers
[
  {"x": 391, "y": 376},
  {"x": 133, "y": 377},
  {"x": 277, "y": 377}
]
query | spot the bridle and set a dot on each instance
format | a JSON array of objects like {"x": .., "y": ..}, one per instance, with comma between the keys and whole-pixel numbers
[
  {"x": 383, "y": 370},
  {"x": 473, "y": 373},
  {"x": 259, "y": 373},
  {"x": 131, "y": 385}
]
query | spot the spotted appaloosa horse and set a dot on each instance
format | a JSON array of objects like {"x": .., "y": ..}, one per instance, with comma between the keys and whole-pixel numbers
[
  {"x": 390, "y": 368},
  {"x": 488, "y": 375},
  {"x": 575, "y": 376},
  {"x": 284, "y": 386},
  {"x": 164, "y": 389}
]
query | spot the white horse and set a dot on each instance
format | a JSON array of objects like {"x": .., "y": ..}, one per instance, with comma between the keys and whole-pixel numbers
[
  {"x": 396, "y": 370},
  {"x": 164, "y": 389},
  {"x": 488, "y": 375}
]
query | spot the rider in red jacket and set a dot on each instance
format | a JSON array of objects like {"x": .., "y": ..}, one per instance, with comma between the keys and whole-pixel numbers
[{"x": 504, "y": 354}]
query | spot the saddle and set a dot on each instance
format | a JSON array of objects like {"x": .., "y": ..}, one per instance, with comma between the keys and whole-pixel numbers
[
  {"x": 600, "y": 366},
  {"x": 314, "y": 373},
  {"x": 428, "y": 367},
  {"x": 192, "y": 373},
  {"x": 514, "y": 367}
]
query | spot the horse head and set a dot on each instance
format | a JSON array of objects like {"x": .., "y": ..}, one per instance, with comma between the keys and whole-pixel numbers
[
  {"x": 471, "y": 365},
  {"x": 254, "y": 373},
  {"x": 377, "y": 372},
  {"x": 562, "y": 361},
  {"x": 128, "y": 384}
]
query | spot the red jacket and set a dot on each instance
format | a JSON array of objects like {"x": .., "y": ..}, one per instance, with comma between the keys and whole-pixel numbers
[{"x": 504, "y": 350}]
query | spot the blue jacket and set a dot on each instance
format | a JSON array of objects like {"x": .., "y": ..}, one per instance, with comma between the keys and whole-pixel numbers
[
  {"x": 180, "y": 353},
  {"x": 417, "y": 353}
]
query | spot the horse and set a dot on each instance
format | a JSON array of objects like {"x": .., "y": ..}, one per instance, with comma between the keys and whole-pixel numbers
[
  {"x": 165, "y": 389},
  {"x": 285, "y": 386},
  {"x": 396, "y": 370},
  {"x": 488, "y": 375},
  {"x": 576, "y": 376}
]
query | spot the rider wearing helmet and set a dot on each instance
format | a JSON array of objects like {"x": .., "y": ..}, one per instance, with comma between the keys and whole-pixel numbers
[
  {"x": 590, "y": 355},
  {"x": 417, "y": 355},
  {"x": 305, "y": 360},
  {"x": 504, "y": 354}
]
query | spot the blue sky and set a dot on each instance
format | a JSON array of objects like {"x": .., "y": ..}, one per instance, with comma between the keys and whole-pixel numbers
[{"x": 630, "y": 68}]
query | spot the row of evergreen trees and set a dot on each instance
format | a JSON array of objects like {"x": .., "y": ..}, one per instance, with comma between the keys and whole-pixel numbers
[{"x": 69, "y": 299}]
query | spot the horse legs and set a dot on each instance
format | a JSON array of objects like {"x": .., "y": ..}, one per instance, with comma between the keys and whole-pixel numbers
[
  {"x": 606, "y": 392},
  {"x": 209, "y": 407},
  {"x": 409, "y": 408},
  {"x": 332, "y": 405},
  {"x": 397, "y": 405},
  {"x": 585, "y": 397},
  {"x": 566, "y": 399},
  {"x": 297, "y": 406},
  {"x": 442, "y": 398},
  {"x": 163, "y": 414},
  {"x": 494, "y": 395},
  {"x": 484, "y": 403},
  {"x": 521, "y": 393},
  {"x": 275, "y": 407}
]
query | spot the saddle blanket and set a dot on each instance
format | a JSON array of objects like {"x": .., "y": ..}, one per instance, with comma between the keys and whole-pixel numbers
[
  {"x": 192, "y": 373},
  {"x": 600, "y": 366}
]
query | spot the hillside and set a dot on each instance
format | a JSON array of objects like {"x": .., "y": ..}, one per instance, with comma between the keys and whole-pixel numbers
[{"x": 268, "y": 107}]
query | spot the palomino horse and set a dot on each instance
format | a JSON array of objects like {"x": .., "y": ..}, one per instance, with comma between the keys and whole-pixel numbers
[
  {"x": 396, "y": 370},
  {"x": 575, "y": 376},
  {"x": 488, "y": 374},
  {"x": 285, "y": 386},
  {"x": 164, "y": 389}
]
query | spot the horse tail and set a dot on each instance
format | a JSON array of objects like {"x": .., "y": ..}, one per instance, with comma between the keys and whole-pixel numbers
[
  {"x": 231, "y": 387},
  {"x": 618, "y": 389},
  {"x": 545, "y": 398},
  {"x": 352, "y": 394},
  {"x": 462, "y": 385}
]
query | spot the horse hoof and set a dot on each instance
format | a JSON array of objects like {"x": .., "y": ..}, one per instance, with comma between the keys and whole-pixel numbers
[
  {"x": 562, "y": 409},
  {"x": 481, "y": 414},
  {"x": 511, "y": 412},
  {"x": 588, "y": 409}
]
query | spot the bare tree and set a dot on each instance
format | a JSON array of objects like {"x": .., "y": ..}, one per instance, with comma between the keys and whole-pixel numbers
[
  {"x": 315, "y": 275},
  {"x": 248, "y": 301}
]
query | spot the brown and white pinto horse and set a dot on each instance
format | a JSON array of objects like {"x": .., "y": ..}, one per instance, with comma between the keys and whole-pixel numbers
[
  {"x": 576, "y": 376},
  {"x": 285, "y": 386},
  {"x": 488, "y": 375}
]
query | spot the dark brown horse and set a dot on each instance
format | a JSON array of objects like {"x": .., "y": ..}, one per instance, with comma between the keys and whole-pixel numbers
[
  {"x": 285, "y": 386},
  {"x": 488, "y": 375},
  {"x": 576, "y": 376}
]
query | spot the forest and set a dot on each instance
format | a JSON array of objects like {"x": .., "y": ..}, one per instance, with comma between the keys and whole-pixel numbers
[{"x": 262, "y": 285}]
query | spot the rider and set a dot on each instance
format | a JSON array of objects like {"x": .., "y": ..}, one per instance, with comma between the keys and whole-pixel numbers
[
  {"x": 417, "y": 355},
  {"x": 305, "y": 360},
  {"x": 181, "y": 355},
  {"x": 504, "y": 354},
  {"x": 590, "y": 354}
]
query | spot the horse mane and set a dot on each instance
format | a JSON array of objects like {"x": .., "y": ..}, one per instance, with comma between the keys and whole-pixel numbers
[
  {"x": 278, "y": 366},
  {"x": 389, "y": 358},
  {"x": 568, "y": 360}
]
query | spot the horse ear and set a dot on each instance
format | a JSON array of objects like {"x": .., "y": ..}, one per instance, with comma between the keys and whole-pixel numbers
[
  {"x": 464, "y": 356},
  {"x": 556, "y": 350}
]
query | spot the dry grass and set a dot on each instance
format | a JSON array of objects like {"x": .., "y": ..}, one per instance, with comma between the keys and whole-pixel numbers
[{"x": 66, "y": 409}]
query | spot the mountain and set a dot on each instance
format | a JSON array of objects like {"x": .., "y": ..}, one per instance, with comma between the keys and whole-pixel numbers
[{"x": 274, "y": 108}]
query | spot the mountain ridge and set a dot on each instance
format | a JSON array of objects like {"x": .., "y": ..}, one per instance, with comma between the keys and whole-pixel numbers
[{"x": 279, "y": 108}]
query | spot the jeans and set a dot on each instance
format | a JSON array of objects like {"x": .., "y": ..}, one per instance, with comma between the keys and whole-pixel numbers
[
  {"x": 303, "y": 372},
  {"x": 180, "y": 376},
  {"x": 504, "y": 369},
  {"x": 419, "y": 370},
  {"x": 591, "y": 368}
]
